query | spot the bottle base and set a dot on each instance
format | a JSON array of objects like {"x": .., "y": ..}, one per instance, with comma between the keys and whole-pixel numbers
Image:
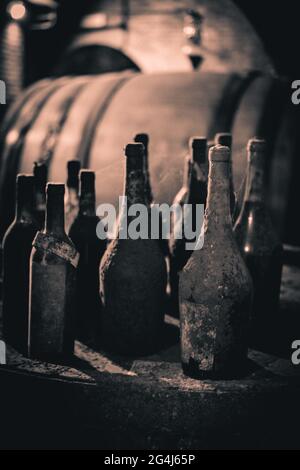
[{"x": 193, "y": 371}]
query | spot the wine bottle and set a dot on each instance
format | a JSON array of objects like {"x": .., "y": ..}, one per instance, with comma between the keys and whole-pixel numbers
[
  {"x": 53, "y": 266},
  {"x": 258, "y": 241},
  {"x": 163, "y": 242},
  {"x": 215, "y": 288},
  {"x": 225, "y": 139},
  {"x": 192, "y": 193},
  {"x": 133, "y": 274},
  {"x": 144, "y": 139},
  {"x": 40, "y": 173},
  {"x": 17, "y": 245},
  {"x": 91, "y": 249},
  {"x": 72, "y": 193}
]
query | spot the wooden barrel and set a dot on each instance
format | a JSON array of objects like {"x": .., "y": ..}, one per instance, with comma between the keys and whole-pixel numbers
[{"x": 92, "y": 118}]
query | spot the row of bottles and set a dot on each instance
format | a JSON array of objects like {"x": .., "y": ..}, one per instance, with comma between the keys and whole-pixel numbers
[
  {"x": 51, "y": 279},
  {"x": 58, "y": 279}
]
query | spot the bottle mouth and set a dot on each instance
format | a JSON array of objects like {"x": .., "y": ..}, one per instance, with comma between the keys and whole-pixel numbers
[
  {"x": 198, "y": 147},
  {"x": 23, "y": 178},
  {"x": 223, "y": 138},
  {"x": 55, "y": 189},
  {"x": 87, "y": 181},
  {"x": 40, "y": 173},
  {"x": 25, "y": 188},
  {"x": 134, "y": 149},
  {"x": 73, "y": 168},
  {"x": 142, "y": 138},
  {"x": 219, "y": 153},
  {"x": 135, "y": 154},
  {"x": 256, "y": 145}
]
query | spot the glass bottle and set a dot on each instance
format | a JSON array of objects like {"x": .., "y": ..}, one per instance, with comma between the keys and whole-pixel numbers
[
  {"x": 133, "y": 273},
  {"x": 144, "y": 139},
  {"x": 91, "y": 249},
  {"x": 40, "y": 173},
  {"x": 225, "y": 139},
  {"x": 258, "y": 241},
  {"x": 53, "y": 266},
  {"x": 163, "y": 242},
  {"x": 72, "y": 193},
  {"x": 17, "y": 244},
  {"x": 215, "y": 288},
  {"x": 193, "y": 192}
]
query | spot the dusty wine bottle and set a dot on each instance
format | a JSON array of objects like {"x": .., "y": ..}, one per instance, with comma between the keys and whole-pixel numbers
[
  {"x": 53, "y": 264},
  {"x": 258, "y": 240},
  {"x": 163, "y": 242},
  {"x": 225, "y": 139},
  {"x": 17, "y": 245},
  {"x": 40, "y": 173},
  {"x": 215, "y": 288},
  {"x": 133, "y": 275},
  {"x": 144, "y": 139},
  {"x": 193, "y": 192},
  {"x": 91, "y": 249},
  {"x": 72, "y": 193}
]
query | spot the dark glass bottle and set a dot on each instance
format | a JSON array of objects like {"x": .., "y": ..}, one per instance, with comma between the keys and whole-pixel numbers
[
  {"x": 144, "y": 139},
  {"x": 40, "y": 173},
  {"x": 72, "y": 193},
  {"x": 91, "y": 249},
  {"x": 225, "y": 139},
  {"x": 53, "y": 265},
  {"x": 258, "y": 240},
  {"x": 193, "y": 192},
  {"x": 133, "y": 275},
  {"x": 215, "y": 288},
  {"x": 17, "y": 244},
  {"x": 163, "y": 242}
]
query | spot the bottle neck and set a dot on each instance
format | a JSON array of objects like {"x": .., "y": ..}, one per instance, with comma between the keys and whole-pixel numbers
[
  {"x": 72, "y": 193},
  {"x": 187, "y": 175},
  {"x": 254, "y": 192},
  {"x": 148, "y": 190},
  {"x": 55, "y": 217},
  {"x": 135, "y": 183},
  {"x": 230, "y": 175},
  {"x": 193, "y": 184},
  {"x": 218, "y": 214},
  {"x": 24, "y": 203},
  {"x": 40, "y": 197},
  {"x": 73, "y": 176},
  {"x": 40, "y": 182},
  {"x": 87, "y": 204},
  {"x": 72, "y": 196}
]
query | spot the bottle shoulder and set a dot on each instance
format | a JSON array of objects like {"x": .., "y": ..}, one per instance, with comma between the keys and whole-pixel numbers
[
  {"x": 84, "y": 225},
  {"x": 20, "y": 230},
  {"x": 216, "y": 270},
  {"x": 255, "y": 232},
  {"x": 121, "y": 254},
  {"x": 181, "y": 197},
  {"x": 49, "y": 248}
]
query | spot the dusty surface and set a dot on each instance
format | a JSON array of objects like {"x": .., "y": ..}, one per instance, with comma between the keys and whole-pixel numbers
[
  {"x": 102, "y": 402},
  {"x": 164, "y": 367}
]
